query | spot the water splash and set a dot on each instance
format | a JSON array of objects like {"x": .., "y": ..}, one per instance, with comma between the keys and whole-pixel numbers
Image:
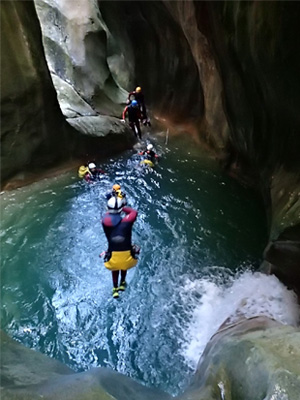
[{"x": 248, "y": 295}]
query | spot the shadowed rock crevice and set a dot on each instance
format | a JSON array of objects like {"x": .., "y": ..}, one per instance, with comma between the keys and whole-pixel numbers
[{"x": 163, "y": 64}]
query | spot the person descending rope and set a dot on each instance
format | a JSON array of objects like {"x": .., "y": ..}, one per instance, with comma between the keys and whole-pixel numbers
[
  {"x": 134, "y": 116},
  {"x": 121, "y": 254},
  {"x": 90, "y": 173},
  {"x": 139, "y": 97},
  {"x": 151, "y": 157}
]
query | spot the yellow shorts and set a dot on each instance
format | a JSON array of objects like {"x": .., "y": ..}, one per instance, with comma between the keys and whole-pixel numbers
[
  {"x": 147, "y": 162},
  {"x": 120, "y": 260}
]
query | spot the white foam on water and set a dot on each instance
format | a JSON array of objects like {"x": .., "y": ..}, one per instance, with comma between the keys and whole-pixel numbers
[{"x": 250, "y": 295}]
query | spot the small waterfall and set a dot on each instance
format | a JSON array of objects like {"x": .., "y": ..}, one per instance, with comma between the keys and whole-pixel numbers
[{"x": 246, "y": 295}]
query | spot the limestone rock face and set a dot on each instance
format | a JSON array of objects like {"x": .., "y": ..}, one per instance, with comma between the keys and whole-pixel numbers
[
  {"x": 257, "y": 54},
  {"x": 71, "y": 103},
  {"x": 255, "y": 359},
  {"x": 214, "y": 127},
  {"x": 30, "y": 375},
  {"x": 31, "y": 123},
  {"x": 100, "y": 126},
  {"x": 79, "y": 51},
  {"x": 105, "y": 49},
  {"x": 34, "y": 134}
]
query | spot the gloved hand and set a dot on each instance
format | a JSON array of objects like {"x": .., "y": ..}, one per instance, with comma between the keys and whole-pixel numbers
[{"x": 123, "y": 120}]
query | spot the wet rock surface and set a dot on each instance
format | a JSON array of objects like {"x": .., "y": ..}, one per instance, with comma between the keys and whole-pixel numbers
[{"x": 256, "y": 358}]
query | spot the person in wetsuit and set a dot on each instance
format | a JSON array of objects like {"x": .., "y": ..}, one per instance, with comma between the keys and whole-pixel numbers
[
  {"x": 93, "y": 174},
  {"x": 134, "y": 116},
  {"x": 121, "y": 254},
  {"x": 117, "y": 192},
  {"x": 149, "y": 153},
  {"x": 139, "y": 97}
]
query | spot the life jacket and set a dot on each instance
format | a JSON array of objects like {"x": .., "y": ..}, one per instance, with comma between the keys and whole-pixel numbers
[
  {"x": 119, "y": 193},
  {"x": 82, "y": 171},
  {"x": 147, "y": 162}
]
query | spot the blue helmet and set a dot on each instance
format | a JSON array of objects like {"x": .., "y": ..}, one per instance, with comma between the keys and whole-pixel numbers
[{"x": 134, "y": 103}]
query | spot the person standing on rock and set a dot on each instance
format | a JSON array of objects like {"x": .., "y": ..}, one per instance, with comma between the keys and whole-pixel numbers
[
  {"x": 139, "y": 97},
  {"x": 134, "y": 116},
  {"x": 121, "y": 254}
]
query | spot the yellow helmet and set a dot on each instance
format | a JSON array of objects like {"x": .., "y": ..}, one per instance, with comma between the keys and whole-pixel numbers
[
  {"x": 116, "y": 187},
  {"x": 138, "y": 89}
]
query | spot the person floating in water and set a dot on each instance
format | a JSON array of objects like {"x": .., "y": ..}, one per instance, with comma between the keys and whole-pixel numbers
[
  {"x": 134, "y": 116},
  {"x": 139, "y": 97},
  {"x": 117, "y": 192},
  {"x": 90, "y": 173},
  {"x": 121, "y": 254},
  {"x": 150, "y": 156}
]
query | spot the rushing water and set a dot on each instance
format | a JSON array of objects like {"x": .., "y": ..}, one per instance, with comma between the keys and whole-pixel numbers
[{"x": 201, "y": 234}]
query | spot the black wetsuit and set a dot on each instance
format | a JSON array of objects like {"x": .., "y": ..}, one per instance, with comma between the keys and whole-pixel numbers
[
  {"x": 94, "y": 176},
  {"x": 118, "y": 232},
  {"x": 134, "y": 115},
  {"x": 139, "y": 97},
  {"x": 150, "y": 155}
]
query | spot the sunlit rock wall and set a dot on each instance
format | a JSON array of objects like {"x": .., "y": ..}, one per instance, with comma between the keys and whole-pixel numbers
[
  {"x": 82, "y": 62},
  {"x": 34, "y": 133},
  {"x": 98, "y": 52},
  {"x": 31, "y": 123},
  {"x": 78, "y": 49}
]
